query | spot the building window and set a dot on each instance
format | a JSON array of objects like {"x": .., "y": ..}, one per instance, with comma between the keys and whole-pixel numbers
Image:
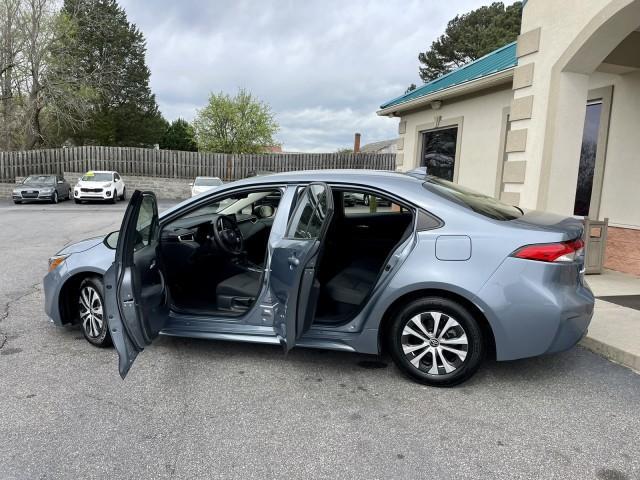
[
  {"x": 439, "y": 152},
  {"x": 588, "y": 153}
]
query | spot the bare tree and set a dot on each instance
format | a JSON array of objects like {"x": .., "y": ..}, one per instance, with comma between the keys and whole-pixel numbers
[{"x": 11, "y": 45}]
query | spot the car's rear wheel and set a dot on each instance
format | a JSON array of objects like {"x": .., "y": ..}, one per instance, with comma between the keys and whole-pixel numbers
[
  {"x": 436, "y": 341},
  {"x": 93, "y": 319}
]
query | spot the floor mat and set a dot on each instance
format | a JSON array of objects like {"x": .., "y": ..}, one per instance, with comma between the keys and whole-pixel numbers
[{"x": 629, "y": 301}]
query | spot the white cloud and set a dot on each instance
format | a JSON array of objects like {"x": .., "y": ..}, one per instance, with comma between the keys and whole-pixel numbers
[{"x": 323, "y": 66}]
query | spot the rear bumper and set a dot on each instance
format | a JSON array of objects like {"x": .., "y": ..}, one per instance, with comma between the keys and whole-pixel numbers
[{"x": 536, "y": 308}]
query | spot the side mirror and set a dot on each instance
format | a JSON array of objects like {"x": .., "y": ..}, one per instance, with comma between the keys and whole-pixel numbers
[
  {"x": 264, "y": 211},
  {"x": 60, "y": 181}
]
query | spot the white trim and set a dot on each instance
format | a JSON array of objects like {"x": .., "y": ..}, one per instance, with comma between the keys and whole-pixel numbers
[{"x": 453, "y": 91}]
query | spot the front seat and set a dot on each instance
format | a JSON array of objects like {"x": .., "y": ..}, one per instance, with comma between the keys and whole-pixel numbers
[{"x": 238, "y": 292}]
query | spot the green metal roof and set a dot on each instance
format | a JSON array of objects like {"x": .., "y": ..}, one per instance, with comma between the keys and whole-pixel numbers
[{"x": 496, "y": 61}]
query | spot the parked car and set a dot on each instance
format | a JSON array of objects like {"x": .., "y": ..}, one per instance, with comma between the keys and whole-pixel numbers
[
  {"x": 446, "y": 278},
  {"x": 48, "y": 188},
  {"x": 100, "y": 185},
  {"x": 203, "y": 184},
  {"x": 359, "y": 198}
]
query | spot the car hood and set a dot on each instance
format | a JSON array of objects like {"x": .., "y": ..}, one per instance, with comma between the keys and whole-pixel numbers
[
  {"x": 81, "y": 246},
  {"x": 92, "y": 184},
  {"x": 34, "y": 185}
]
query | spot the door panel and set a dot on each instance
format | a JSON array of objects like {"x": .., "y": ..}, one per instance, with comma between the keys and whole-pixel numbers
[
  {"x": 294, "y": 260},
  {"x": 135, "y": 294}
]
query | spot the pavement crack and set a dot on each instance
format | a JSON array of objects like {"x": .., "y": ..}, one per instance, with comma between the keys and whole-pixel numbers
[{"x": 4, "y": 314}]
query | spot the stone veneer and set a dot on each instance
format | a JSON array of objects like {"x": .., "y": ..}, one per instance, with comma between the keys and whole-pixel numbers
[{"x": 623, "y": 250}]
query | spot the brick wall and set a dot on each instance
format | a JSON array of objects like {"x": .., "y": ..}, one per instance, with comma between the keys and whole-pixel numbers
[
  {"x": 164, "y": 188},
  {"x": 623, "y": 250}
]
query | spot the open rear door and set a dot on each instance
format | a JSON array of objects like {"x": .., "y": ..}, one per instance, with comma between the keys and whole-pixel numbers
[
  {"x": 294, "y": 261},
  {"x": 135, "y": 293}
]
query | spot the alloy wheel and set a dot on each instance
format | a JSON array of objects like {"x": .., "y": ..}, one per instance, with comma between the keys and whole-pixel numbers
[
  {"x": 434, "y": 343},
  {"x": 91, "y": 311}
]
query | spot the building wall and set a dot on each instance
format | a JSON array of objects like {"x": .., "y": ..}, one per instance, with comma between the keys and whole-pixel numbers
[{"x": 479, "y": 146}]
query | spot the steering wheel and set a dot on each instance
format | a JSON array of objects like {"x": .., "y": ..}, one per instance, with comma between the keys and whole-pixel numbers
[{"x": 227, "y": 235}]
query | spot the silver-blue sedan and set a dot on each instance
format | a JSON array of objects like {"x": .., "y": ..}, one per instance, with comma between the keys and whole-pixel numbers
[{"x": 434, "y": 274}]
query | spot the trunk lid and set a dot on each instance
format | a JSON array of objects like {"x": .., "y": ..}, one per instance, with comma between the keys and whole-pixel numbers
[{"x": 570, "y": 228}]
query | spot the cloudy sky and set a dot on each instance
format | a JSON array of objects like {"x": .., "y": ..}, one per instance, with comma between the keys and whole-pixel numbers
[{"x": 323, "y": 66}]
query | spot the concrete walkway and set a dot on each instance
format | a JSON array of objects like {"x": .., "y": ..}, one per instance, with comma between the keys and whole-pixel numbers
[{"x": 615, "y": 330}]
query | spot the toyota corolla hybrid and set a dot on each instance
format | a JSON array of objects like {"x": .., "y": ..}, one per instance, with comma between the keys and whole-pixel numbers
[{"x": 436, "y": 275}]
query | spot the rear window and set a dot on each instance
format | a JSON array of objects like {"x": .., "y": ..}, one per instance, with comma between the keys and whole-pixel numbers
[{"x": 479, "y": 203}]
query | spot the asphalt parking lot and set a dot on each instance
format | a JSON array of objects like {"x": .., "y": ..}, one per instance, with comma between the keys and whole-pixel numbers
[{"x": 203, "y": 409}]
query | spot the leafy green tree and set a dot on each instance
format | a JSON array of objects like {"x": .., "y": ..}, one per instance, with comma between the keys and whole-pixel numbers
[
  {"x": 239, "y": 124},
  {"x": 469, "y": 37},
  {"x": 179, "y": 136},
  {"x": 110, "y": 51}
]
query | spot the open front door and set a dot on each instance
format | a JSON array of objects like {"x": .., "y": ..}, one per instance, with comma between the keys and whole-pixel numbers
[
  {"x": 135, "y": 294},
  {"x": 294, "y": 261}
]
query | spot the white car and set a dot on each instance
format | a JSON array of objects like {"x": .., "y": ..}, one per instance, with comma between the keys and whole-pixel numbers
[
  {"x": 100, "y": 185},
  {"x": 204, "y": 184}
]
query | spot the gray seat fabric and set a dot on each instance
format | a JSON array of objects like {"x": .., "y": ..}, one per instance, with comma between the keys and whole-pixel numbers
[
  {"x": 245, "y": 284},
  {"x": 352, "y": 284}
]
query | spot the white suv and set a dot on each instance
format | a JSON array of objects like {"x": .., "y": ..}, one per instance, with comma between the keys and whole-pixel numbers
[{"x": 100, "y": 185}]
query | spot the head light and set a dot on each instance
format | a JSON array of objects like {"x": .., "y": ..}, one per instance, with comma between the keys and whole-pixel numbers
[
  {"x": 107, "y": 185},
  {"x": 56, "y": 261}
]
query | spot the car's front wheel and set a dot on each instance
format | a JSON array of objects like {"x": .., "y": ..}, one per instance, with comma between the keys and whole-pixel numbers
[
  {"x": 124, "y": 194},
  {"x": 93, "y": 320},
  {"x": 436, "y": 341},
  {"x": 54, "y": 198}
]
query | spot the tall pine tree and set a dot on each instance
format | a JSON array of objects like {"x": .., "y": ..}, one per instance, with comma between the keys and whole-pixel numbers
[{"x": 111, "y": 51}]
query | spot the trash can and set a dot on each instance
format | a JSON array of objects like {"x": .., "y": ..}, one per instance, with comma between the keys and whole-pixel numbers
[{"x": 595, "y": 243}]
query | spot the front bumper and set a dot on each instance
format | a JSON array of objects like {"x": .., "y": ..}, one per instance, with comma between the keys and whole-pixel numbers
[
  {"x": 94, "y": 194},
  {"x": 536, "y": 307},
  {"x": 38, "y": 197},
  {"x": 52, "y": 283}
]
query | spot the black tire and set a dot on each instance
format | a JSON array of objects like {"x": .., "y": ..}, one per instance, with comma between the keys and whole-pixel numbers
[
  {"x": 124, "y": 194},
  {"x": 69, "y": 194},
  {"x": 54, "y": 198},
  {"x": 77, "y": 201},
  {"x": 17, "y": 202},
  {"x": 97, "y": 336},
  {"x": 114, "y": 196},
  {"x": 466, "y": 325}
]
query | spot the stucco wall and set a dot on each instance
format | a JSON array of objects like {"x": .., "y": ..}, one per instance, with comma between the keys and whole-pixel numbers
[{"x": 482, "y": 119}]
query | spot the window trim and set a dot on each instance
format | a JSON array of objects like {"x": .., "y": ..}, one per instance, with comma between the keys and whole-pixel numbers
[{"x": 440, "y": 124}]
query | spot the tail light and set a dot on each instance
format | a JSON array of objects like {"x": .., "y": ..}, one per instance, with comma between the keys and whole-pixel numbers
[{"x": 561, "y": 252}]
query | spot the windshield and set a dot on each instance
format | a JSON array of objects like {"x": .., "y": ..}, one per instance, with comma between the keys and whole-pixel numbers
[
  {"x": 47, "y": 179},
  {"x": 97, "y": 177},
  {"x": 482, "y": 204},
  {"x": 207, "y": 182}
]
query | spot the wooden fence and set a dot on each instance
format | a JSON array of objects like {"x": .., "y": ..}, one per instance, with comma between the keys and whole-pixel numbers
[{"x": 177, "y": 164}]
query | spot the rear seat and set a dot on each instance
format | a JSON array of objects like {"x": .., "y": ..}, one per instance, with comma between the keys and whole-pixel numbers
[{"x": 353, "y": 284}]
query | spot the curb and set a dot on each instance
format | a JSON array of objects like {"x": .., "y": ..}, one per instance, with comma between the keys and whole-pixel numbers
[{"x": 615, "y": 354}]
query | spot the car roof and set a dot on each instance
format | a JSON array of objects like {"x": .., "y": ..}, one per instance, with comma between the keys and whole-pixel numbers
[
  {"x": 368, "y": 177},
  {"x": 101, "y": 171}
]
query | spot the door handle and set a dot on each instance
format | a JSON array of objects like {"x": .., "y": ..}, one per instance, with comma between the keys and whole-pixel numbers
[{"x": 293, "y": 261}]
